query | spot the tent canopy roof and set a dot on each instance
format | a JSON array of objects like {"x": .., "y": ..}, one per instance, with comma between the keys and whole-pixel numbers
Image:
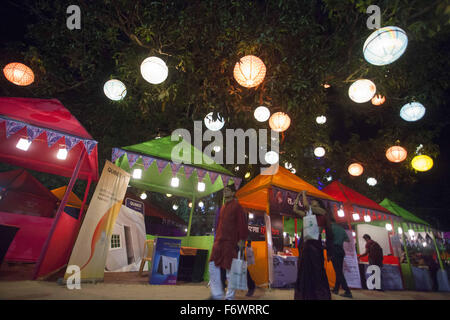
[
  {"x": 22, "y": 181},
  {"x": 40, "y": 117},
  {"x": 184, "y": 152},
  {"x": 346, "y": 195},
  {"x": 399, "y": 211},
  {"x": 73, "y": 199},
  {"x": 256, "y": 192}
]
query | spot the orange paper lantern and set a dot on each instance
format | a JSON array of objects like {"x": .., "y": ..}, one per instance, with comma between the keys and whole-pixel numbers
[
  {"x": 249, "y": 71},
  {"x": 279, "y": 121},
  {"x": 355, "y": 169},
  {"x": 396, "y": 154},
  {"x": 378, "y": 100},
  {"x": 19, "y": 74}
]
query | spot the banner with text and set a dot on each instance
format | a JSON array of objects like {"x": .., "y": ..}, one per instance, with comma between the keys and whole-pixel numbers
[
  {"x": 93, "y": 242},
  {"x": 351, "y": 267}
]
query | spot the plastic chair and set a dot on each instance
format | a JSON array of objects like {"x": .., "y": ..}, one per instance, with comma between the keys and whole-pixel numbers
[{"x": 147, "y": 256}]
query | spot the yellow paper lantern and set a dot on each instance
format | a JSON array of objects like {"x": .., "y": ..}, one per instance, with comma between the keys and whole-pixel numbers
[
  {"x": 422, "y": 163},
  {"x": 378, "y": 100},
  {"x": 396, "y": 154},
  {"x": 250, "y": 71},
  {"x": 279, "y": 121},
  {"x": 355, "y": 169},
  {"x": 19, "y": 74}
]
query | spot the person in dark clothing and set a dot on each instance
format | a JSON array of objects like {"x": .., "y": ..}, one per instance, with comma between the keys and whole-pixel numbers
[
  {"x": 337, "y": 258},
  {"x": 223, "y": 277},
  {"x": 250, "y": 261},
  {"x": 375, "y": 253}
]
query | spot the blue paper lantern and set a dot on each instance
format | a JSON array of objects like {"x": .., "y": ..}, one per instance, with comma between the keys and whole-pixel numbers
[
  {"x": 412, "y": 111},
  {"x": 385, "y": 45}
]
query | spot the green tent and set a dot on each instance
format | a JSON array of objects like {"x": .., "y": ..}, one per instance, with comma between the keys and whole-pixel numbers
[
  {"x": 161, "y": 159},
  {"x": 399, "y": 211}
]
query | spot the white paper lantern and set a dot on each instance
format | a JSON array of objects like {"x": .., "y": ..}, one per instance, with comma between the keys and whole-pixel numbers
[
  {"x": 115, "y": 89},
  {"x": 412, "y": 111},
  {"x": 262, "y": 114},
  {"x": 362, "y": 90},
  {"x": 321, "y": 119},
  {"x": 288, "y": 165},
  {"x": 214, "y": 125},
  {"x": 154, "y": 70},
  {"x": 271, "y": 157},
  {"x": 385, "y": 45},
  {"x": 371, "y": 181},
  {"x": 319, "y": 152}
]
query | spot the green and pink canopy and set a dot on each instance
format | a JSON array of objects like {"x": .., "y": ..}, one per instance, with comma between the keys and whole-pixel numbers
[{"x": 161, "y": 159}]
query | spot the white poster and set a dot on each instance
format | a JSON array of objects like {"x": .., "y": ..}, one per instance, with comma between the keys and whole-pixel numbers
[
  {"x": 351, "y": 268},
  {"x": 269, "y": 247}
]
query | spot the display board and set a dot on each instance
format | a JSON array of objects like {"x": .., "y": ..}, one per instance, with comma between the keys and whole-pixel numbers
[
  {"x": 351, "y": 268},
  {"x": 166, "y": 256},
  {"x": 135, "y": 205},
  {"x": 378, "y": 234}
]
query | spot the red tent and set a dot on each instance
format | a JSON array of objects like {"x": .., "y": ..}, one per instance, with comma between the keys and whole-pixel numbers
[{"x": 44, "y": 127}]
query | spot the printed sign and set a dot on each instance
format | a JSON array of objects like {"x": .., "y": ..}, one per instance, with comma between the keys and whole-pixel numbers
[
  {"x": 166, "y": 256},
  {"x": 284, "y": 271},
  {"x": 135, "y": 205},
  {"x": 351, "y": 267}
]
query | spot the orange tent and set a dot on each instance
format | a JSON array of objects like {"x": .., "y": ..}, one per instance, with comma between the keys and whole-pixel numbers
[{"x": 255, "y": 195}]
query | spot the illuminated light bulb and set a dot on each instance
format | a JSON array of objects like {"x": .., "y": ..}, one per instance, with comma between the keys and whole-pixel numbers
[
  {"x": 250, "y": 215},
  {"x": 143, "y": 196},
  {"x": 236, "y": 168},
  {"x": 201, "y": 186},
  {"x": 201, "y": 204},
  {"x": 353, "y": 233},
  {"x": 23, "y": 144},
  {"x": 175, "y": 207},
  {"x": 62, "y": 154},
  {"x": 340, "y": 213},
  {"x": 388, "y": 227},
  {"x": 355, "y": 216},
  {"x": 175, "y": 182},
  {"x": 319, "y": 152},
  {"x": 371, "y": 181},
  {"x": 217, "y": 148},
  {"x": 400, "y": 230},
  {"x": 284, "y": 234},
  {"x": 185, "y": 229},
  {"x": 137, "y": 173},
  {"x": 247, "y": 175},
  {"x": 411, "y": 232},
  {"x": 321, "y": 119},
  {"x": 424, "y": 244},
  {"x": 168, "y": 195},
  {"x": 367, "y": 218}
]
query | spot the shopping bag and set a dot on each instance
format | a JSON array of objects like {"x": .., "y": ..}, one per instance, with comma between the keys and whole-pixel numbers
[
  {"x": 310, "y": 227},
  {"x": 238, "y": 274}
]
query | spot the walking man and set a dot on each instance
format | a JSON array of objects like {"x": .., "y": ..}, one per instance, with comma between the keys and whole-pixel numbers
[
  {"x": 232, "y": 231},
  {"x": 337, "y": 258}
]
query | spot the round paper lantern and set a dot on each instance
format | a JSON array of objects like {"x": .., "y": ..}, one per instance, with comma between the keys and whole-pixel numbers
[
  {"x": 396, "y": 154},
  {"x": 214, "y": 125},
  {"x": 385, "y": 45},
  {"x": 288, "y": 165},
  {"x": 271, "y": 157},
  {"x": 362, "y": 90},
  {"x": 154, "y": 70},
  {"x": 115, "y": 90},
  {"x": 378, "y": 100},
  {"x": 279, "y": 121},
  {"x": 319, "y": 152},
  {"x": 18, "y": 73},
  {"x": 412, "y": 111},
  {"x": 355, "y": 169},
  {"x": 371, "y": 181},
  {"x": 321, "y": 119},
  {"x": 422, "y": 163},
  {"x": 249, "y": 71},
  {"x": 262, "y": 114}
]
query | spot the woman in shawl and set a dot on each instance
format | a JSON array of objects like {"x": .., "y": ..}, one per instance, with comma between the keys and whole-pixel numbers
[{"x": 312, "y": 281}]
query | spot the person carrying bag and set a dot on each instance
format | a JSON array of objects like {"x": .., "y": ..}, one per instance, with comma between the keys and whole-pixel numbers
[{"x": 310, "y": 226}]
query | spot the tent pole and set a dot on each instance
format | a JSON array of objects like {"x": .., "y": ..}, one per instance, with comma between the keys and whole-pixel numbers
[
  {"x": 86, "y": 192},
  {"x": 61, "y": 207},
  {"x": 295, "y": 236},
  {"x": 190, "y": 217}
]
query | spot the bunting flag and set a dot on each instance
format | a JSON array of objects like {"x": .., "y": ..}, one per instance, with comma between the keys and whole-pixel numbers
[
  {"x": 13, "y": 127},
  {"x": 213, "y": 176},
  {"x": 225, "y": 180},
  {"x": 147, "y": 162},
  {"x": 116, "y": 154},
  {"x": 162, "y": 164},
  {"x": 201, "y": 174},
  {"x": 188, "y": 171},
  {"x": 132, "y": 158},
  {"x": 175, "y": 168},
  {"x": 34, "y": 132}
]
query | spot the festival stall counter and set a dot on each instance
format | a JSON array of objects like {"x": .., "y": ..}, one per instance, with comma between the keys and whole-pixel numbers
[
  {"x": 420, "y": 251},
  {"x": 364, "y": 216},
  {"x": 42, "y": 135},
  {"x": 176, "y": 168},
  {"x": 269, "y": 201}
]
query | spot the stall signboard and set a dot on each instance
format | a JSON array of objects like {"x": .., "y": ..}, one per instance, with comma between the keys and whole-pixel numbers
[
  {"x": 93, "y": 242},
  {"x": 135, "y": 205},
  {"x": 166, "y": 256},
  {"x": 284, "y": 271},
  {"x": 257, "y": 227},
  {"x": 351, "y": 268}
]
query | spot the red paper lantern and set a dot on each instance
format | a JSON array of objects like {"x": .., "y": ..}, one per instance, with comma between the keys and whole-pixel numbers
[
  {"x": 249, "y": 71},
  {"x": 396, "y": 154},
  {"x": 355, "y": 169},
  {"x": 279, "y": 121},
  {"x": 19, "y": 74},
  {"x": 378, "y": 100}
]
